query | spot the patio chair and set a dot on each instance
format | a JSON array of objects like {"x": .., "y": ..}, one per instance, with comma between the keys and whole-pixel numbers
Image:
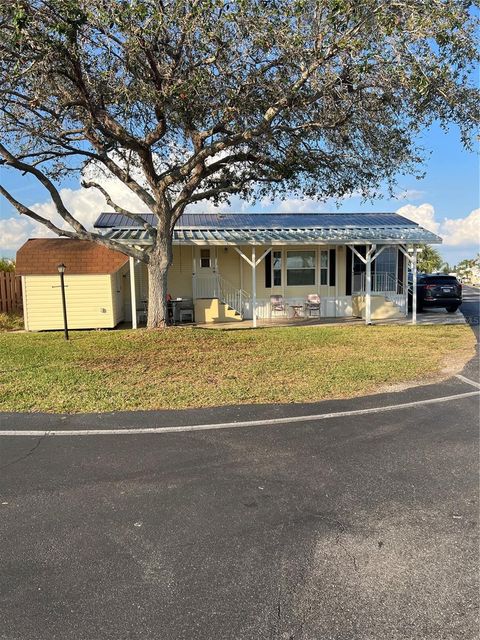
[
  {"x": 277, "y": 304},
  {"x": 312, "y": 304}
]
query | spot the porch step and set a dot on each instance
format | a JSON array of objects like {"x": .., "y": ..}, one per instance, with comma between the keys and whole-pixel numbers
[
  {"x": 388, "y": 310},
  {"x": 381, "y": 308},
  {"x": 214, "y": 310}
]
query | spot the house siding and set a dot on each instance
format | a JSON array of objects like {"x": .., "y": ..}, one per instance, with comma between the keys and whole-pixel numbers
[
  {"x": 89, "y": 299},
  {"x": 180, "y": 273}
]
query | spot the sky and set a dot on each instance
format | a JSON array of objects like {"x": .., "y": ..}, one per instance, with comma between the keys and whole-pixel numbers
[{"x": 446, "y": 200}]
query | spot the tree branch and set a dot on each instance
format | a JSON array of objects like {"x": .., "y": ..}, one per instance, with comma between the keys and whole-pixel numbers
[
  {"x": 143, "y": 223},
  {"x": 118, "y": 172},
  {"x": 10, "y": 160},
  {"x": 79, "y": 235}
]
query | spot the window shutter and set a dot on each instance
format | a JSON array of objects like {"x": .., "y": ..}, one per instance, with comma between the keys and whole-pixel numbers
[
  {"x": 333, "y": 267},
  {"x": 348, "y": 272},
  {"x": 268, "y": 270}
]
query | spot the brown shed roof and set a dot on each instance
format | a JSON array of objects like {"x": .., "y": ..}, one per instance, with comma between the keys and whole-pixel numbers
[{"x": 41, "y": 257}]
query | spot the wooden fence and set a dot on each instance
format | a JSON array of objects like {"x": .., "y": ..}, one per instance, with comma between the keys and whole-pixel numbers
[{"x": 10, "y": 292}]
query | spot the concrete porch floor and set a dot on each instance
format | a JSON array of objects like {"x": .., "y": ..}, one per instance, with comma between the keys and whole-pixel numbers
[{"x": 432, "y": 316}]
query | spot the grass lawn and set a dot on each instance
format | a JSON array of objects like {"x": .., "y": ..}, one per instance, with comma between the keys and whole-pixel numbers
[{"x": 188, "y": 367}]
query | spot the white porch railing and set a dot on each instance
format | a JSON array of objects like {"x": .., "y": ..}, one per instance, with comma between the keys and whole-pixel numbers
[
  {"x": 233, "y": 297},
  {"x": 386, "y": 284},
  {"x": 381, "y": 282},
  {"x": 206, "y": 287},
  {"x": 215, "y": 286}
]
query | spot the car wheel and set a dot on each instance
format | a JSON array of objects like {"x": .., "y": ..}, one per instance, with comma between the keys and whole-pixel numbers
[{"x": 452, "y": 308}]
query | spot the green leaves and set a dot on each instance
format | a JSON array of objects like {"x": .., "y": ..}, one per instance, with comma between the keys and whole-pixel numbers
[
  {"x": 322, "y": 98},
  {"x": 429, "y": 260}
]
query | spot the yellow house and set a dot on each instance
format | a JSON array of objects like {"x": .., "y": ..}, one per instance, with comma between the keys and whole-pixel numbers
[{"x": 228, "y": 268}]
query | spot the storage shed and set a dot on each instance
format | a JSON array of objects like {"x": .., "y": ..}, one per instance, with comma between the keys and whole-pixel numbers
[{"x": 95, "y": 284}]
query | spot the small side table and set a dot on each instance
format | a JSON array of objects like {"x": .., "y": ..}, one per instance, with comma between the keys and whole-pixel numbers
[{"x": 296, "y": 310}]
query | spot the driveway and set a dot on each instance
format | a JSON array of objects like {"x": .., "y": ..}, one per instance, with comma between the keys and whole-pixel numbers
[{"x": 342, "y": 520}]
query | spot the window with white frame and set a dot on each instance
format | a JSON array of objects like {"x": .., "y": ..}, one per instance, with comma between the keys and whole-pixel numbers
[
  {"x": 324, "y": 267},
  {"x": 300, "y": 268},
  {"x": 277, "y": 268},
  {"x": 205, "y": 261}
]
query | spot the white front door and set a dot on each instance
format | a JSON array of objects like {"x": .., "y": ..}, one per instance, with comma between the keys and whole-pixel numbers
[{"x": 205, "y": 277}]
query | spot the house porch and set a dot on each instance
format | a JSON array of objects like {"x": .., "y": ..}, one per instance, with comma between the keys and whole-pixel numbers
[{"x": 228, "y": 284}]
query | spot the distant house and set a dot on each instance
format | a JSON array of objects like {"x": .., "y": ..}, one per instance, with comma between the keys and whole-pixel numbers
[{"x": 233, "y": 267}]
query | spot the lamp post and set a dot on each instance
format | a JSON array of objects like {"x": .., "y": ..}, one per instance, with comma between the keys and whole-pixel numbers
[{"x": 61, "y": 270}]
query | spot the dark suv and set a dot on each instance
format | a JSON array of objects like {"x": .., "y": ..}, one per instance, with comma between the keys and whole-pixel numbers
[{"x": 437, "y": 291}]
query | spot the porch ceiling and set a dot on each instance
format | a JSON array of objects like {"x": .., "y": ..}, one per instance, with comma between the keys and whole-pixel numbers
[{"x": 328, "y": 235}]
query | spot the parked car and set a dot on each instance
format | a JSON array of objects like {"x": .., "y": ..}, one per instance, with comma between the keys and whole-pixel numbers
[{"x": 436, "y": 290}]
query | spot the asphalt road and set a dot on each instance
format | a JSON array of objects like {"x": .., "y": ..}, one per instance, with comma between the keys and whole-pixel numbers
[{"x": 361, "y": 526}]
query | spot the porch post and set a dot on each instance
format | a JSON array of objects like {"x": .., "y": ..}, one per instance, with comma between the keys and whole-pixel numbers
[
  {"x": 368, "y": 287},
  {"x": 254, "y": 286},
  {"x": 405, "y": 282},
  {"x": 194, "y": 274},
  {"x": 133, "y": 293},
  {"x": 241, "y": 270},
  {"x": 336, "y": 279},
  {"x": 414, "y": 285}
]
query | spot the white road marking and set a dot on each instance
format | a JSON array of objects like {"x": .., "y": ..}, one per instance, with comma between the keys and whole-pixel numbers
[
  {"x": 234, "y": 425},
  {"x": 468, "y": 381}
]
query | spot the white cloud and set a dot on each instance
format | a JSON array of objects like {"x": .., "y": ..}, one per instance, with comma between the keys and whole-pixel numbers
[
  {"x": 295, "y": 205},
  {"x": 14, "y": 232},
  {"x": 237, "y": 205},
  {"x": 462, "y": 231},
  {"x": 409, "y": 194},
  {"x": 456, "y": 232},
  {"x": 424, "y": 214}
]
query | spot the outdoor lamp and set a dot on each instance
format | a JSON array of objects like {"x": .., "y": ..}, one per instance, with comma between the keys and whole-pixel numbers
[{"x": 61, "y": 270}]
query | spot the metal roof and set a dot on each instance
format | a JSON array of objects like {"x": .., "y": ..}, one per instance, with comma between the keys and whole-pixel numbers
[
  {"x": 274, "y": 228},
  {"x": 388, "y": 235},
  {"x": 261, "y": 220}
]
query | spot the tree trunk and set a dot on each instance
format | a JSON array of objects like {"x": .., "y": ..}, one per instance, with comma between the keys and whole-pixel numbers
[{"x": 159, "y": 263}]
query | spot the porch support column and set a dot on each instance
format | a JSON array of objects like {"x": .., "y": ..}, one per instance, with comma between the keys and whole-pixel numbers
[
  {"x": 133, "y": 293},
  {"x": 254, "y": 264},
  {"x": 368, "y": 286},
  {"x": 405, "y": 281},
  {"x": 414, "y": 286},
  {"x": 411, "y": 255}
]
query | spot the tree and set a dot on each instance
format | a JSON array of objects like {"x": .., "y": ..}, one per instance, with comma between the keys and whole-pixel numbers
[
  {"x": 465, "y": 268},
  {"x": 446, "y": 268},
  {"x": 186, "y": 101},
  {"x": 7, "y": 265},
  {"x": 429, "y": 259}
]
